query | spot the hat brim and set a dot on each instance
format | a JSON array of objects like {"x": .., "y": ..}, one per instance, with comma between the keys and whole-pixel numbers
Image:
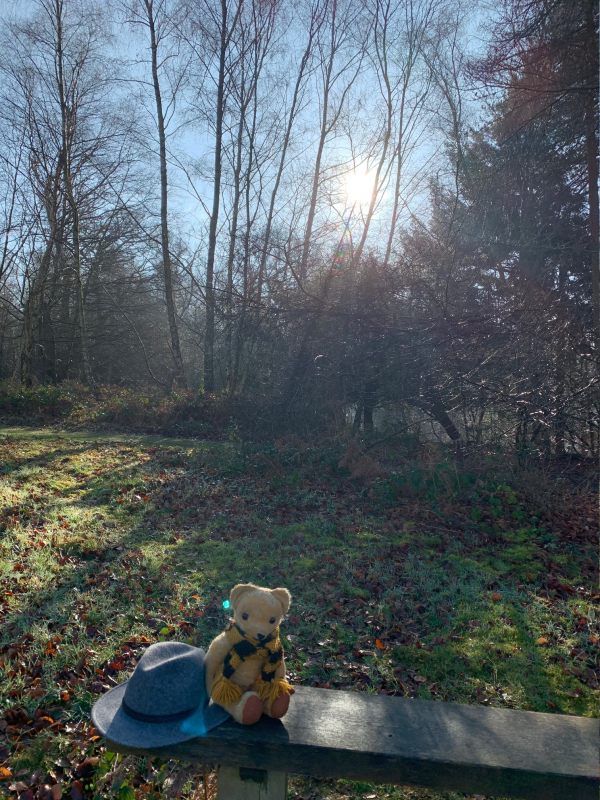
[{"x": 113, "y": 722}]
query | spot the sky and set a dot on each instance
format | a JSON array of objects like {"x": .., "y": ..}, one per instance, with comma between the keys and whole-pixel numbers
[{"x": 193, "y": 144}]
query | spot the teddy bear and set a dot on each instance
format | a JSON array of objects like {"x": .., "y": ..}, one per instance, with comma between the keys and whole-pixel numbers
[{"x": 245, "y": 668}]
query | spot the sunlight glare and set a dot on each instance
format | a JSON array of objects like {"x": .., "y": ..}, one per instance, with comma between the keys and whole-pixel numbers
[{"x": 360, "y": 185}]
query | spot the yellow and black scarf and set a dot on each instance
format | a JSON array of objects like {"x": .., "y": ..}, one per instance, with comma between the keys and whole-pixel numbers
[{"x": 242, "y": 647}]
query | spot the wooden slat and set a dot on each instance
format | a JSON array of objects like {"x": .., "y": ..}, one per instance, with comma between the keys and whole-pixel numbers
[{"x": 330, "y": 733}]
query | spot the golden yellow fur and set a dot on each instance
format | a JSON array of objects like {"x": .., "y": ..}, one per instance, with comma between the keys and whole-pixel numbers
[{"x": 257, "y": 612}]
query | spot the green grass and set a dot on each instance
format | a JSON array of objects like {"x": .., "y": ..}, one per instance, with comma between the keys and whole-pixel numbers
[{"x": 460, "y": 589}]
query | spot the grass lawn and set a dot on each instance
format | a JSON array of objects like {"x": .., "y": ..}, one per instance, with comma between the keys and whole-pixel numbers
[{"x": 475, "y": 587}]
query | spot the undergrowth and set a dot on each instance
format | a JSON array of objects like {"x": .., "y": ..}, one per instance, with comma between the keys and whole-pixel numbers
[{"x": 179, "y": 413}]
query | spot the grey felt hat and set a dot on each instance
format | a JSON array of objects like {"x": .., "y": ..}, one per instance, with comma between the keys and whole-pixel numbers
[{"x": 163, "y": 702}]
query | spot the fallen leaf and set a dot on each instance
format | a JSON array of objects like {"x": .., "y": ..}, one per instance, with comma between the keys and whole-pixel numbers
[
  {"x": 379, "y": 644},
  {"x": 496, "y": 597},
  {"x": 77, "y": 790},
  {"x": 43, "y": 721},
  {"x": 5, "y": 773},
  {"x": 87, "y": 766},
  {"x": 542, "y": 641}
]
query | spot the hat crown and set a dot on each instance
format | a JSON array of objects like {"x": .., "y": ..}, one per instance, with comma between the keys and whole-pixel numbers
[{"x": 168, "y": 679}]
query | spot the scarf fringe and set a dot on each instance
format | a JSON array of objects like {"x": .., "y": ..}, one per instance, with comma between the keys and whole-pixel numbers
[
  {"x": 269, "y": 691},
  {"x": 225, "y": 692}
]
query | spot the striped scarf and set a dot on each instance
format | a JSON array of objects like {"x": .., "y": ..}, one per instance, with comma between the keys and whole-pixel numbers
[{"x": 242, "y": 647}]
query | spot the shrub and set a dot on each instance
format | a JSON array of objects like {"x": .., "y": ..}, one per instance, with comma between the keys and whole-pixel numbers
[
  {"x": 143, "y": 410},
  {"x": 42, "y": 402}
]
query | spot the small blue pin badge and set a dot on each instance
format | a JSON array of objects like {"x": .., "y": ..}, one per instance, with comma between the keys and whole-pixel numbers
[{"x": 226, "y": 605}]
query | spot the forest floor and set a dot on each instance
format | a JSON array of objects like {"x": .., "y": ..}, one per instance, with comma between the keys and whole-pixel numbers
[{"x": 476, "y": 585}]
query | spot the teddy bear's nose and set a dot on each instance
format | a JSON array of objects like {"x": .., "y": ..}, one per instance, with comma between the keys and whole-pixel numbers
[{"x": 260, "y": 635}]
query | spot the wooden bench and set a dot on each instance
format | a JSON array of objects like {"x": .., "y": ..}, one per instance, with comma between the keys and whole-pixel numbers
[{"x": 338, "y": 734}]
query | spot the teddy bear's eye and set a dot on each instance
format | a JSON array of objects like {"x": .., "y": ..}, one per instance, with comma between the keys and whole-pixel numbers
[
  {"x": 272, "y": 621},
  {"x": 244, "y": 615}
]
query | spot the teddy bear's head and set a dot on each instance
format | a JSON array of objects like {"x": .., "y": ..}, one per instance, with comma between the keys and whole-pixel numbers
[{"x": 258, "y": 611}]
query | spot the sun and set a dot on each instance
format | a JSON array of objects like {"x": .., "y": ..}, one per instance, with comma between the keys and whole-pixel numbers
[{"x": 359, "y": 188}]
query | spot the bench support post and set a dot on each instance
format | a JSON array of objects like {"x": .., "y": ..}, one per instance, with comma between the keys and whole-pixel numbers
[{"x": 240, "y": 783}]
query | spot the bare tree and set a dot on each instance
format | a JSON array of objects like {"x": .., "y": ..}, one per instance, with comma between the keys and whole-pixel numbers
[
  {"x": 55, "y": 97},
  {"x": 69, "y": 98},
  {"x": 317, "y": 15},
  {"x": 161, "y": 23},
  {"x": 252, "y": 43},
  {"x": 410, "y": 90},
  {"x": 209, "y": 33},
  {"x": 340, "y": 63},
  {"x": 30, "y": 108}
]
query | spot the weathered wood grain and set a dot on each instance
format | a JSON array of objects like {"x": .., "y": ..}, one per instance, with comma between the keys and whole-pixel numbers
[{"x": 330, "y": 733}]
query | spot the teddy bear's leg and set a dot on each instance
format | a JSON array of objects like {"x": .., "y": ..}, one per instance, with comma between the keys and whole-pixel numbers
[
  {"x": 247, "y": 710},
  {"x": 277, "y": 708}
]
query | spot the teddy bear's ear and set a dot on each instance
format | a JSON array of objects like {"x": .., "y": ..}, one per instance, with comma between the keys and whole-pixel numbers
[
  {"x": 284, "y": 597},
  {"x": 238, "y": 591}
]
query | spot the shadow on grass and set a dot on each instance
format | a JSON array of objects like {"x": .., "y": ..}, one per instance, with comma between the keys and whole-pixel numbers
[
  {"x": 11, "y": 465},
  {"x": 117, "y": 579},
  {"x": 103, "y": 436}
]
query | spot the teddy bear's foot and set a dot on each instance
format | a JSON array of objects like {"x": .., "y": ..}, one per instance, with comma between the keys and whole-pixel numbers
[
  {"x": 249, "y": 710},
  {"x": 279, "y": 706}
]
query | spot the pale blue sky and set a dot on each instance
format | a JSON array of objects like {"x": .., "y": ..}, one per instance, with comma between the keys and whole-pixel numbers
[{"x": 186, "y": 209}]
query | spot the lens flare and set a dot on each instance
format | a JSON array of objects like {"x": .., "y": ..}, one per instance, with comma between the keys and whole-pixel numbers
[{"x": 359, "y": 188}]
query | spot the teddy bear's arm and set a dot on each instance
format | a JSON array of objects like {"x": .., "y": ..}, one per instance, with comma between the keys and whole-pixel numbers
[{"x": 215, "y": 656}]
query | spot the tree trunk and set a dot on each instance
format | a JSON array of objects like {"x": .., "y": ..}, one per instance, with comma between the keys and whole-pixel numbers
[
  {"x": 33, "y": 304},
  {"x": 591, "y": 145},
  {"x": 369, "y": 403},
  {"x": 164, "y": 226},
  {"x": 315, "y": 24},
  {"x": 209, "y": 336},
  {"x": 398, "y": 180},
  {"x": 67, "y": 134},
  {"x": 233, "y": 233},
  {"x": 323, "y": 133},
  {"x": 433, "y": 406},
  {"x": 382, "y": 59}
]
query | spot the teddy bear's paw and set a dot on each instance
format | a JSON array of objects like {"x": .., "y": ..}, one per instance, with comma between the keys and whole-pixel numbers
[
  {"x": 252, "y": 709},
  {"x": 279, "y": 706}
]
